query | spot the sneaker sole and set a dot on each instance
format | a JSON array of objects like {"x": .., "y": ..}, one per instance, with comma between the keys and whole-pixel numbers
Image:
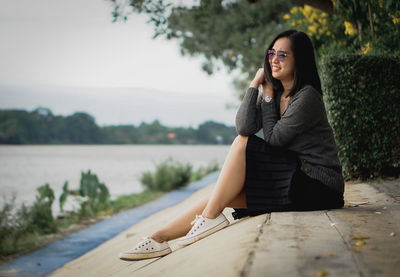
[
  {"x": 191, "y": 240},
  {"x": 142, "y": 256}
]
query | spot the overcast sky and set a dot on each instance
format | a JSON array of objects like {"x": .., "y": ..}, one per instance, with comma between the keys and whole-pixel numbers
[{"x": 71, "y": 49}]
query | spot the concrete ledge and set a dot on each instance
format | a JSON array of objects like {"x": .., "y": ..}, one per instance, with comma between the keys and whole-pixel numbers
[{"x": 362, "y": 239}]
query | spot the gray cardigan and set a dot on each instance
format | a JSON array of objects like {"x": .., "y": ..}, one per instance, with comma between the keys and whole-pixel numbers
[{"x": 303, "y": 128}]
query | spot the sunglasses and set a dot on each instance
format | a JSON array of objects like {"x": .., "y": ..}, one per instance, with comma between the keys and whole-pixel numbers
[{"x": 281, "y": 55}]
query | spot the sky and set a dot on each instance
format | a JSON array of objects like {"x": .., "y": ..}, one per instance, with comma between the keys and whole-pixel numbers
[{"x": 68, "y": 56}]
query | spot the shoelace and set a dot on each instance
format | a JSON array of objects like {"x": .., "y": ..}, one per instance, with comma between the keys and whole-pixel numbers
[
  {"x": 141, "y": 241},
  {"x": 197, "y": 217}
]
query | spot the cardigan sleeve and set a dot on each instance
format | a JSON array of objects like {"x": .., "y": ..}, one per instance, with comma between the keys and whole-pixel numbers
[
  {"x": 248, "y": 117},
  {"x": 302, "y": 114}
]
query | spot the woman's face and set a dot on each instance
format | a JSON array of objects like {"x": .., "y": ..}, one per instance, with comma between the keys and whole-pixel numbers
[{"x": 282, "y": 70}]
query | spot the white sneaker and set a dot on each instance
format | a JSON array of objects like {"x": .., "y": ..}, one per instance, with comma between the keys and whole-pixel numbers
[
  {"x": 146, "y": 248},
  {"x": 203, "y": 227}
]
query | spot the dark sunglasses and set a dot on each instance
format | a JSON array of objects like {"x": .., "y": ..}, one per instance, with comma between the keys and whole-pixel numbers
[{"x": 280, "y": 54}]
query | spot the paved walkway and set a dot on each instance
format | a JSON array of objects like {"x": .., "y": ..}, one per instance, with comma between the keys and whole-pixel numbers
[{"x": 362, "y": 239}]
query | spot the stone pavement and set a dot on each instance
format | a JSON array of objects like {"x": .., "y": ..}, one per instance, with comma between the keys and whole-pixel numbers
[{"x": 362, "y": 239}]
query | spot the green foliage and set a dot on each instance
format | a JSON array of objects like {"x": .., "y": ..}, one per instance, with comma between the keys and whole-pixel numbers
[
  {"x": 93, "y": 195},
  {"x": 41, "y": 126},
  {"x": 210, "y": 132},
  {"x": 232, "y": 33},
  {"x": 21, "y": 228},
  {"x": 169, "y": 175},
  {"x": 130, "y": 201},
  {"x": 236, "y": 33},
  {"x": 377, "y": 24},
  {"x": 41, "y": 213},
  {"x": 326, "y": 31},
  {"x": 81, "y": 128},
  {"x": 362, "y": 95}
]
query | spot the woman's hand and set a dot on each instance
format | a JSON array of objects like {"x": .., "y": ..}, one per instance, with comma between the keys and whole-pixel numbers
[{"x": 259, "y": 79}]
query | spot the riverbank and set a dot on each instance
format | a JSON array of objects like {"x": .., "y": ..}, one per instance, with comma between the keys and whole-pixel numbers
[
  {"x": 71, "y": 224},
  {"x": 56, "y": 254},
  {"x": 29, "y": 227}
]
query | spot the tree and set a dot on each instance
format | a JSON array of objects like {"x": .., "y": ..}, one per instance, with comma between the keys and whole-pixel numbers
[
  {"x": 233, "y": 33},
  {"x": 81, "y": 128},
  {"x": 236, "y": 32}
]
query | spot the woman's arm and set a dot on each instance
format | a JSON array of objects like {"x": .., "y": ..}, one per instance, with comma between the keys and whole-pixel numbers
[
  {"x": 302, "y": 114},
  {"x": 248, "y": 117}
]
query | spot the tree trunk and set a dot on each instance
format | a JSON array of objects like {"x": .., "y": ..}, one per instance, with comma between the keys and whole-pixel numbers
[{"x": 371, "y": 19}]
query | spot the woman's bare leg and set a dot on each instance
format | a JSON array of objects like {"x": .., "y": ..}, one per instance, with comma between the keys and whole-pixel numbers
[
  {"x": 228, "y": 192},
  {"x": 231, "y": 179}
]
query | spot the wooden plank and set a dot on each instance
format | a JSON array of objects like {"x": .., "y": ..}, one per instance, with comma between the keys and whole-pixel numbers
[{"x": 301, "y": 244}]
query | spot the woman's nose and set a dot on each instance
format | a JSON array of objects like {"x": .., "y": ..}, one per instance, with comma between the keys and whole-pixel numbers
[{"x": 275, "y": 59}]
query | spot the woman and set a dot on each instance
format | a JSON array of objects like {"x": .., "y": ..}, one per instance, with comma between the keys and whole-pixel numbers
[{"x": 295, "y": 166}]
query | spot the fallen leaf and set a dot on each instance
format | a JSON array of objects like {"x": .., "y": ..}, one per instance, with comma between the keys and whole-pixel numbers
[
  {"x": 358, "y": 250},
  {"x": 360, "y": 238},
  {"x": 330, "y": 254},
  {"x": 392, "y": 234},
  {"x": 360, "y": 243},
  {"x": 355, "y": 204},
  {"x": 321, "y": 273}
]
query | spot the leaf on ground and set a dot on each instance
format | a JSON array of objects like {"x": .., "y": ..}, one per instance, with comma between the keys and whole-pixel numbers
[
  {"x": 358, "y": 250},
  {"x": 355, "y": 204},
  {"x": 330, "y": 254},
  {"x": 360, "y": 243},
  {"x": 360, "y": 237},
  {"x": 321, "y": 273}
]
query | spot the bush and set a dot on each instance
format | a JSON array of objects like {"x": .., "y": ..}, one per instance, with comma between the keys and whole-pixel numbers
[
  {"x": 169, "y": 175},
  {"x": 362, "y": 93},
  {"x": 20, "y": 229},
  {"x": 93, "y": 195},
  {"x": 41, "y": 213}
]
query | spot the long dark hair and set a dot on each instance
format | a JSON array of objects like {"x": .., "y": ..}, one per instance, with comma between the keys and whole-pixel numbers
[{"x": 305, "y": 72}]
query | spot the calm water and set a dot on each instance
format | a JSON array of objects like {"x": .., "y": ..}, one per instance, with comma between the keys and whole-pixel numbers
[{"x": 24, "y": 168}]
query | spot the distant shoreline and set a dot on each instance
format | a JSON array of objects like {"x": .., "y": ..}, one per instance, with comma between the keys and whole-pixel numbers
[{"x": 41, "y": 126}]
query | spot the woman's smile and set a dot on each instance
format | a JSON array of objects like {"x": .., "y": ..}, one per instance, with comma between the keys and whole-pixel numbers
[{"x": 275, "y": 68}]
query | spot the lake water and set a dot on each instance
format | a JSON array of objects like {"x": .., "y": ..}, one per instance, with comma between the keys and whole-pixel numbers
[{"x": 24, "y": 168}]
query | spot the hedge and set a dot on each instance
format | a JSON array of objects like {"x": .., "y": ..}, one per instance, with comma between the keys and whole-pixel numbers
[{"x": 362, "y": 97}]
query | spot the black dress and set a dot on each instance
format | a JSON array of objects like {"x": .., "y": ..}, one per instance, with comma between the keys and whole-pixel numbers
[{"x": 274, "y": 182}]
